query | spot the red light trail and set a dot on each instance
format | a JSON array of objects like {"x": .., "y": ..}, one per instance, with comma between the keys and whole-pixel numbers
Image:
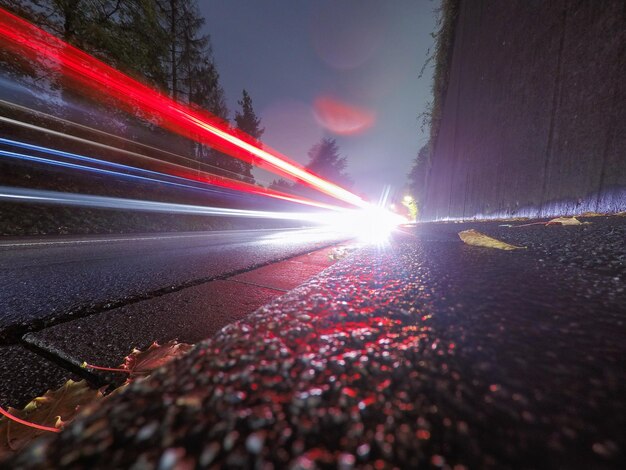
[
  {"x": 105, "y": 82},
  {"x": 141, "y": 161}
]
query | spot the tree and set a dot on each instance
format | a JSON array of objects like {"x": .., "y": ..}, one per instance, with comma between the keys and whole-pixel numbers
[
  {"x": 187, "y": 46},
  {"x": 127, "y": 35},
  {"x": 248, "y": 122},
  {"x": 246, "y": 119},
  {"x": 192, "y": 77},
  {"x": 418, "y": 176},
  {"x": 281, "y": 185},
  {"x": 324, "y": 160}
]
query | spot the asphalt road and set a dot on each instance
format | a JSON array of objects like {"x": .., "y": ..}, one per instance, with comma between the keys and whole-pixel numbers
[
  {"x": 426, "y": 353},
  {"x": 47, "y": 280}
]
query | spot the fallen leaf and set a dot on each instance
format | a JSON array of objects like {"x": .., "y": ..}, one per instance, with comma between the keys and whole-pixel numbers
[
  {"x": 337, "y": 254},
  {"x": 472, "y": 237},
  {"x": 591, "y": 214},
  {"x": 565, "y": 221},
  {"x": 55, "y": 409},
  {"x": 141, "y": 363}
]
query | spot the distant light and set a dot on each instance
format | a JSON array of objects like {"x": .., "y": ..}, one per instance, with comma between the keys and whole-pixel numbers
[{"x": 373, "y": 225}]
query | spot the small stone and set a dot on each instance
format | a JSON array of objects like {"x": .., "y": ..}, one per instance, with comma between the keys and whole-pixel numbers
[
  {"x": 346, "y": 461},
  {"x": 147, "y": 431},
  {"x": 208, "y": 454},
  {"x": 254, "y": 443},
  {"x": 230, "y": 439}
]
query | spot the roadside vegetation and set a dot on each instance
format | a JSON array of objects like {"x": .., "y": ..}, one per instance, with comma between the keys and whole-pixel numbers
[
  {"x": 326, "y": 161},
  {"x": 440, "y": 59},
  {"x": 163, "y": 43}
]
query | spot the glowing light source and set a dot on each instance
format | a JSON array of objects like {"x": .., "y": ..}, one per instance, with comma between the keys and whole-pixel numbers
[{"x": 373, "y": 225}]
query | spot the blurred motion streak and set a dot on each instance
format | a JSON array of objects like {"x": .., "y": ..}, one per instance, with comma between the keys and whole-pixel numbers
[
  {"x": 65, "y": 124},
  {"x": 104, "y": 82},
  {"x": 367, "y": 226},
  {"x": 172, "y": 169},
  {"x": 161, "y": 177},
  {"x": 40, "y": 196}
]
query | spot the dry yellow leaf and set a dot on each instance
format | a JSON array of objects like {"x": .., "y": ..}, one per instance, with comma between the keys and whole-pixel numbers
[
  {"x": 52, "y": 410},
  {"x": 141, "y": 363},
  {"x": 591, "y": 214},
  {"x": 472, "y": 237},
  {"x": 514, "y": 219},
  {"x": 565, "y": 221}
]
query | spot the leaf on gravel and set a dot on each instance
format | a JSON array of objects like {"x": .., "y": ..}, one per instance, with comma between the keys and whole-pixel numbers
[
  {"x": 592, "y": 214},
  {"x": 472, "y": 237},
  {"x": 55, "y": 409},
  {"x": 565, "y": 221},
  {"x": 141, "y": 363},
  {"x": 337, "y": 254},
  {"x": 514, "y": 219}
]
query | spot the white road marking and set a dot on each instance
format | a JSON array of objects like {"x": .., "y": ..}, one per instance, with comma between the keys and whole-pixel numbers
[{"x": 130, "y": 239}]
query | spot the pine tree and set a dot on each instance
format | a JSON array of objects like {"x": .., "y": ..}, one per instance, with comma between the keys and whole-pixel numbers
[
  {"x": 246, "y": 119},
  {"x": 281, "y": 185},
  {"x": 248, "y": 122},
  {"x": 193, "y": 77},
  {"x": 324, "y": 160},
  {"x": 187, "y": 46}
]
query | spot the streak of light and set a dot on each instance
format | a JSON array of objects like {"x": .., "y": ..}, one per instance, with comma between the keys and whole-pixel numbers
[
  {"x": 181, "y": 171},
  {"x": 156, "y": 176},
  {"x": 67, "y": 123},
  {"x": 103, "y": 80},
  {"x": 75, "y": 166},
  {"x": 384, "y": 197},
  {"x": 134, "y": 238},
  {"x": 370, "y": 227},
  {"x": 41, "y": 196}
]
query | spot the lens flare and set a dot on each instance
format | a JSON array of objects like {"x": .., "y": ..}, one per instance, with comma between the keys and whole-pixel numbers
[
  {"x": 173, "y": 170},
  {"x": 342, "y": 118}
]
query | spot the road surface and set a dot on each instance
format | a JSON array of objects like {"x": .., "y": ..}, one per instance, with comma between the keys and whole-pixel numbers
[{"x": 46, "y": 280}]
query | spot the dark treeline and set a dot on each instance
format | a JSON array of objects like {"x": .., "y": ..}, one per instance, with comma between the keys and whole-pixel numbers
[
  {"x": 160, "y": 42},
  {"x": 324, "y": 161}
]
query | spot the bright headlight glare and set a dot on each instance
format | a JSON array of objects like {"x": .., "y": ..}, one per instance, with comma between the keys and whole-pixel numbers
[{"x": 370, "y": 225}]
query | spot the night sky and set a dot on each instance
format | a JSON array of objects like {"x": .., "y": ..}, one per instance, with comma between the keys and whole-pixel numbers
[{"x": 344, "y": 69}]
